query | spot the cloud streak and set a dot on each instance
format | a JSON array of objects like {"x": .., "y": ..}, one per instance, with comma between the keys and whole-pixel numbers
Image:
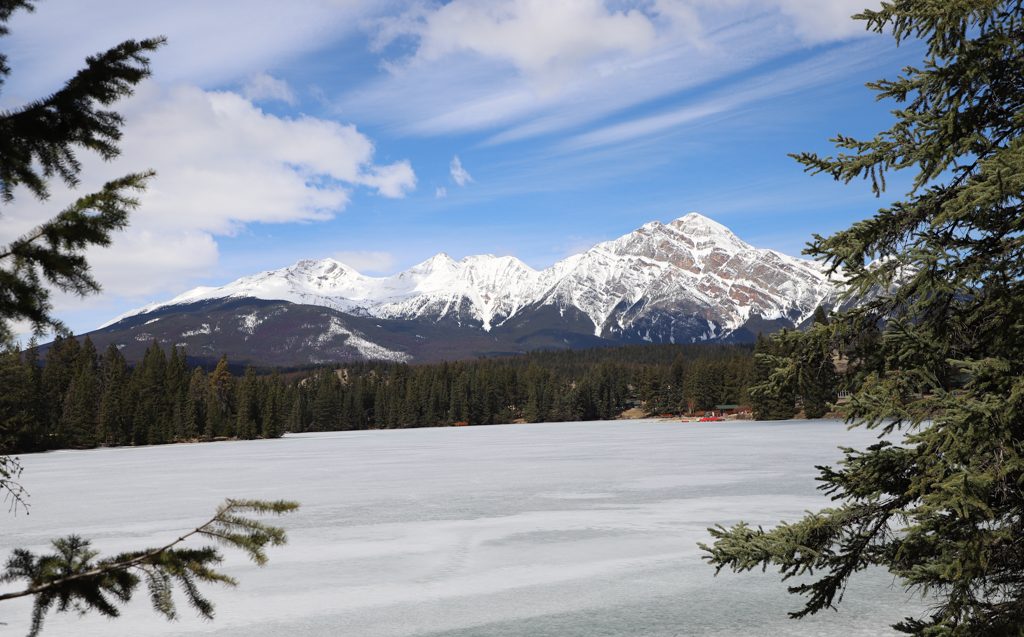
[
  {"x": 789, "y": 80},
  {"x": 460, "y": 175},
  {"x": 519, "y": 69}
]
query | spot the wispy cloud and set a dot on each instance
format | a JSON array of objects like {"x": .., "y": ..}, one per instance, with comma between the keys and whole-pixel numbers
[
  {"x": 210, "y": 43},
  {"x": 789, "y": 80},
  {"x": 523, "y": 68},
  {"x": 460, "y": 175},
  {"x": 264, "y": 87}
]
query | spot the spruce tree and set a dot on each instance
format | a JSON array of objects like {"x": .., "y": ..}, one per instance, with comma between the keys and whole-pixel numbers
[
  {"x": 113, "y": 420},
  {"x": 246, "y": 401},
  {"x": 39, "y": 142},
  {"x": 772, "y": 394},
  {"x": 816, "y": 378},
  {"x": 936, "y": 346},
  {"x": 219, "y": 397},
  {"x": 272, "y": 412},
  {"x": 195, "y": 405},
  {"x": 79, "y": 418},
  {"x": 16, "y": 401}
]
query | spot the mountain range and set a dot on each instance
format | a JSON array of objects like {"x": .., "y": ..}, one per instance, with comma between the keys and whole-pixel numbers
[{"x": 685, "y": 281}]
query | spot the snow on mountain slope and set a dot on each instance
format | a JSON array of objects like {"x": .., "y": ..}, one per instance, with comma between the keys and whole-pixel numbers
[
  {"x": 492, "y": 287},
  {"x": 694, "y": 267},
  {"x": 690, "y": 279}
]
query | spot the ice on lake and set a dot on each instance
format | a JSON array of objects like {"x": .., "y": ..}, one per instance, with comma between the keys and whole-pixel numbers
[{"x": 567, "y": 529}]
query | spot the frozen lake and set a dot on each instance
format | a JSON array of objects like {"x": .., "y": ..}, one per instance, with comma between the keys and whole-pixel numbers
[{"x": 569, "y": 529}]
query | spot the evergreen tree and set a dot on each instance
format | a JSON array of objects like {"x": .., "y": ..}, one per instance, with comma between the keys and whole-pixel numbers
[
  {"x": 195, "y": 405},
  {"x": 79, "y": 417},
  {"x": 151, "y": 418},
  {"x": 219, "y": 398},
  {"x": 17, "y": 409},
  {"x": 816, "y": 378},
  {"x": 326, "y": 406},
  {"x": 38, "y": 142},
  {"x": 936, "y": 348},
  {"x": 176, "y": 386},
  {"x": 272, "y": 412},
  {"x": 245, "y": 418},
  {"x": 772, "y": 392},
  {"x": 114, "y": 424},
  {"x": 58, "y": 373}
]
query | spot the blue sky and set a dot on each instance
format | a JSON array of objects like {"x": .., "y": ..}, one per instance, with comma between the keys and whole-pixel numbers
[{"x": 383, "y": 132}]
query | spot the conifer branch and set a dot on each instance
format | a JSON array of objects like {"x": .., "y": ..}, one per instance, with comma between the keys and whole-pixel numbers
[{"x": 71, "y": 578}]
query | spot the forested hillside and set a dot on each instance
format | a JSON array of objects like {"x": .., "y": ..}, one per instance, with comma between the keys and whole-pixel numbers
[{"x": 78, "y": 397}]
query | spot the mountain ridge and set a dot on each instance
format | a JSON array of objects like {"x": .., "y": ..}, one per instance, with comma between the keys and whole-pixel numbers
[
  {"x": 691, "y": 279},
  {"x": 500, "y": 286}
]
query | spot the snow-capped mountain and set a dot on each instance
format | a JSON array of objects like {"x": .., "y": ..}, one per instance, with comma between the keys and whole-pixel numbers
[
  {"x": 691, "y": 279},
  {"x": 688, "y": 280},
  {"x": 477, "y": 289}
]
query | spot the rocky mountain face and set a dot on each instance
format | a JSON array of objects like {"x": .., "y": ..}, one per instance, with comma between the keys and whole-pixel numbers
[{"x": 688, "y": 280}]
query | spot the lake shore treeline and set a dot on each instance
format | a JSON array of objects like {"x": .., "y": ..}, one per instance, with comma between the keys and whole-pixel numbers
[{"x": 76, "y": 397}]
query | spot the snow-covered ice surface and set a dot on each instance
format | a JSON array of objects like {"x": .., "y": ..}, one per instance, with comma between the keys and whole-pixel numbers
[{"x": 572, "y": 529}]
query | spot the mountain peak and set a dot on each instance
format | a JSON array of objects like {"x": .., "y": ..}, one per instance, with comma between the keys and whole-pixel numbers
[
  {"x": 698, "y": 223},
  {"x": 439, "y": 260},
  {"x": 688, "y": 279}
]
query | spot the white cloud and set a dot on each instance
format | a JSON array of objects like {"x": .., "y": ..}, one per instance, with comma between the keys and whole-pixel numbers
[
  {"x": 264, "y": 87},
  {"x": 815, "y": 21},
  {"x": 209, "y": 43},
  {"x": 221, "y": 163},
  {"x": 440, "y": 192},
  {"x": 544, "y": 39},
  {"x": 525, "y": 68},
  {"x": 368, "y": 261},
  {"x": 459, "y": 174}
]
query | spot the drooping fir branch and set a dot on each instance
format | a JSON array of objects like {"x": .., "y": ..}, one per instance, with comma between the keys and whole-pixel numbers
[
  {"x": 72, "y": 579},
  {"x": 52, "y": 254},
  {"x": 935, "y": 349},
  {"x": 39, "y": 140}
]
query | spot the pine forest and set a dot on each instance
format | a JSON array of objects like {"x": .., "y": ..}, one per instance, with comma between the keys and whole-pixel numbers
[{"x": 72, "y": 396}]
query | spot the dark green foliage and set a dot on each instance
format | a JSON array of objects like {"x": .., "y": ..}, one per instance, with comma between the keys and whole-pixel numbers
[
  {"x": 794, "y": 369},
  {"x": 935, "y": 351},
  {"x": 84, "y": 400},
  {"x": 78, "y": 400},
  {"x": 113, "y": 419},
  {"x": 773, "y": 393},
  {"x": 71, "y": 578},
  {"x": 19, "y": 424},
  {"x": 101, "y": 401},
  {"x": 816, "y": 377},
  {"x": 537, "y": 387},
  {"x": 40, "y": 141}
]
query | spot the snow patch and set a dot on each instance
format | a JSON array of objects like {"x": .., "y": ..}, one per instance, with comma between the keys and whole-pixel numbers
[
  {"x": 202, "y": 329},
  {"x": 366, "y": 348},
  {"x": 249, "y": 323}
]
